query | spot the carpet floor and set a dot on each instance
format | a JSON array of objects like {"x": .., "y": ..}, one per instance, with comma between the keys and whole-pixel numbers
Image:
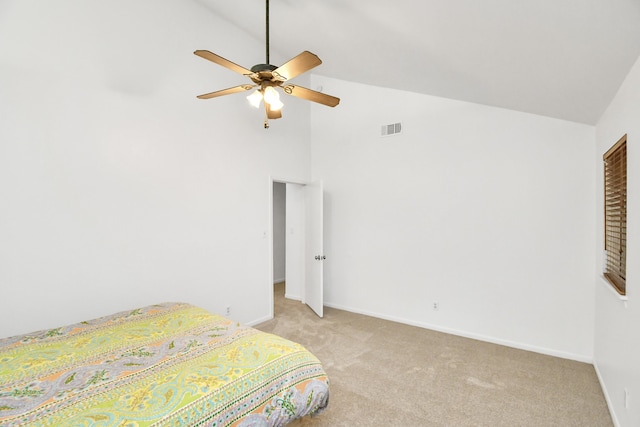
[{"x": 384, "y": 373}]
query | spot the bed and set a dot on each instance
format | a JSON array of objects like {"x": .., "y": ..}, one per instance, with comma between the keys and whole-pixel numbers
[{"x": 171, "y": 364}]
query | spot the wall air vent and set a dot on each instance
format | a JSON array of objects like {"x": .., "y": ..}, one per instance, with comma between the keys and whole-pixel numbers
[{"x": 392, "y": 129}]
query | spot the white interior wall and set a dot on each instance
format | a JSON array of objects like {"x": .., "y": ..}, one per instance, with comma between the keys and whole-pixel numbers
[
  {"x": 486, "y": 211},
  {"x": 119, "y": 188},
  {"x": 279, "y": 216},
  {"x": 617, "y": 331}
]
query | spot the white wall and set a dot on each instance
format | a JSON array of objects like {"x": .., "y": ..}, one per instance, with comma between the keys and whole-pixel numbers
[
  {"x": 617, "y": 331},
  {"x": 488, "y": 212},
  {"x": 279, "y": 216},
  {"x": 119, "y": 188}
]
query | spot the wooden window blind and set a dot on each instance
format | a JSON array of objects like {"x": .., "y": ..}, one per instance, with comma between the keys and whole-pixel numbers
[{"x": 615, "y": 214}]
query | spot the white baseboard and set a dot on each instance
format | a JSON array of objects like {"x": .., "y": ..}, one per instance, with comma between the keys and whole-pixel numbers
[
  {"x": 607, "y": 396},
  {"x": 507, "y": 343},
  {"x": 258, "y": 321}
]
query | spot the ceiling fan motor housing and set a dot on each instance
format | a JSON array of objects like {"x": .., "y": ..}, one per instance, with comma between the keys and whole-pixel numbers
[
  {"x": 263, "y": 73},
  {"x": 263, "y": 67}
]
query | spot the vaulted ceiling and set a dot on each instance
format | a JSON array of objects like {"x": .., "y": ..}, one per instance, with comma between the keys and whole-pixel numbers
[{"x": 559, "y": 58}]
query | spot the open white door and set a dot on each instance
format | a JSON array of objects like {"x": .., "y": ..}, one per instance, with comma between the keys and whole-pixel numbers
[{"x": 314, "y": 254}]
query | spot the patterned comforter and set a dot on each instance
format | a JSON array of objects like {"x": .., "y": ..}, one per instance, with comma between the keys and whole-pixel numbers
[{"x": 171, "y": 364}]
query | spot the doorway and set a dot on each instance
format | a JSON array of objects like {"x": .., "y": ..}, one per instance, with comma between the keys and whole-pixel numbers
[
  {"x": 279, "y": 234},
  {"x": 295, "y": 242},
  {"x": 288, "y": 240}
]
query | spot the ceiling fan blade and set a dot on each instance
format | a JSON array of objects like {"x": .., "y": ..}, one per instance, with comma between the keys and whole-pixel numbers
[
  {"x": 311, "y": 95},
  {"x": 222, "y": 61},
  {"x": 296, "y": 66},
  {"x": 272, "y": 114},
  {"x": 228, "y": 91}
]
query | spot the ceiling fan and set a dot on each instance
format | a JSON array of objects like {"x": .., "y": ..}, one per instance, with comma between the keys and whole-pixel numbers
[{"x": 266, "y": 78}]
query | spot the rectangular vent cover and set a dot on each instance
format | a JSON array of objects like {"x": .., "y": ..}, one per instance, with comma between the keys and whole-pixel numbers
[{"x": 392, "y": 129}]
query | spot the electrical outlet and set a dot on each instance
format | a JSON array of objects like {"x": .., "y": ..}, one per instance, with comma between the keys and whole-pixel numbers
[
  {"x": 228, "y": 311},
  {"x": 626, "y": 398},
  {"x": 436, "y": 306}
]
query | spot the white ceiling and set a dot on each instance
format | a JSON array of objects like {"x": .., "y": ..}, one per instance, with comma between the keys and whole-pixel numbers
[{"x": 557, "y": 58}]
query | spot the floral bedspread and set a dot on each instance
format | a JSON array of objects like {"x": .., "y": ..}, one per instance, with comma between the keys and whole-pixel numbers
[{"x": 170, "y": 364}]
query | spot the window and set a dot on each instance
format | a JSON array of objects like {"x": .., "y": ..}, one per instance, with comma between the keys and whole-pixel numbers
[{"x": 615, "y": 215}]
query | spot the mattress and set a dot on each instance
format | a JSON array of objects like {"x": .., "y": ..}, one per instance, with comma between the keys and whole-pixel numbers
[{"x": 171, "y": 364}]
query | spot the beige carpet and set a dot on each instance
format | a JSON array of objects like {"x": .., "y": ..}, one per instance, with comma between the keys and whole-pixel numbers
[{"x": 389, "y": 374}]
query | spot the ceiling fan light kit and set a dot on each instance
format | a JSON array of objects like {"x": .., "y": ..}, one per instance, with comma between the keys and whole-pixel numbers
[{"x": 266, "y": 78}]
